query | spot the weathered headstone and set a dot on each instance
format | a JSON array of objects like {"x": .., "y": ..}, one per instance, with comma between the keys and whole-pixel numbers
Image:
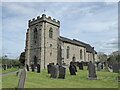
[
  {"x": 92, "y": 71},
  {"x": 21, "y": 82},
  {"x": 80, "y": 65},
  {"x": 54, "y": 71},
  {"x": 38, "y": 68},
  {"x": 27, "y": 67},
  {"x": 32, "y": 67},
  {"x": 74, "y": 65},
  {"x": 62, "y": 72},
  {"x": 115, "y": 67},
  {"x": 72, "y": 70},
  {"x": 49, "y": 67}
]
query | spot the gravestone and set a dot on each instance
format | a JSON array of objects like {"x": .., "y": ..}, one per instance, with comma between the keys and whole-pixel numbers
[
  {"x": 27, "y": 67},
  {"x": 72, "y": 70},
  {"x": 49, "y": 67},
  {"x": 99, "y": 66},
  {"x": 4, "y": 67},
  {"x": 22, "y": 78},
  {"x": 102, "y": 66},
  {"x": 74, "y": 65},
  {"x": 38, "y": 68},
  {"x": 54, "y": 71},
  {"x": 115, "y": 67},
  {"x": 92, "y": 71},
  {"x": 80, "y": 65},
  {"x": 62, "y": 72},
  {"x": 32, "y": 67}
]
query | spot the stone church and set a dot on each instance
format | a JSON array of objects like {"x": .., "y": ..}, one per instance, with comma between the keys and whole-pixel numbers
[{"x": 44, "y": 44}]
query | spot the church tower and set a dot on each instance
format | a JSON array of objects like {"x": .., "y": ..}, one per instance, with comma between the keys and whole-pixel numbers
[{"x": 42, "y": 41}]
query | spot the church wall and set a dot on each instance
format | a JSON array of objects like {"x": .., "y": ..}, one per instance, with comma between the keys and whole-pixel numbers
[{"x": 74, "y": 51}]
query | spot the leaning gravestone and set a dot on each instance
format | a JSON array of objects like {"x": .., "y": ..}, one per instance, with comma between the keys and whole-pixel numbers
[
  {"x": 27, "y": 67},
  {"x": 62, "y": 72},
  {"x": 92, "y": 71},
  {"x": 54, "y": 71},
  {"x": 38, "y": 68},
  {"x": 72, "y": 70},
  {"x": 21, "y": 82},
  {"x": 80, "y": 66},
  {"x": 115, "y": 67},
  {"x": 32, "y": 67}
]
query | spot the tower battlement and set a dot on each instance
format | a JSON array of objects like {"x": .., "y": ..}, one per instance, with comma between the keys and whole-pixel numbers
[{"x": 44, "y": 18}]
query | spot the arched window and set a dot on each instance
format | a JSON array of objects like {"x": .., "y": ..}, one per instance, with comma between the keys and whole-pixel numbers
[
  {"x": 81, "y": 54},
  {"x": 51, "y": 33},
  {"x": 35, "y": 33},
  {"x": 68, "y": 52}
]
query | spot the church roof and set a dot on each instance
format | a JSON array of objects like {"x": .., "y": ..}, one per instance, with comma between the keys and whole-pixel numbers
[
  {"x": 78, "y": 43},
  {"x": 64, "y": 39}
]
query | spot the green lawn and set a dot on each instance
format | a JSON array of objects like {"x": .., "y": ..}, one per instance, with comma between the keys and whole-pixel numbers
[
  {"x": 9, "y": 70},
  {"x": 10, "y": 81},
  {"x": 43, "y": 80}
]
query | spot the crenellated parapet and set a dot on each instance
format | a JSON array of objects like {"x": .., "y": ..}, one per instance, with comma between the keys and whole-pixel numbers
[{"x": 43, "y": 18}]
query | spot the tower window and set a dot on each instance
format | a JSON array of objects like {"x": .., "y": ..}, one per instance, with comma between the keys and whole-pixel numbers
[
  {"x": 68, "y": 52},
  {"x": 50, "y": 45},
  {"x": 51, "y": 33},
  {"x": 35, "y": 33},
  {"x": 81, "y": 54}
]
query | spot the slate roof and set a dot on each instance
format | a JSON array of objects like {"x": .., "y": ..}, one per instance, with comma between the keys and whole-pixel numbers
[
  {"x": 78, "y": 43},
  {"x": 71, "y": 41}
]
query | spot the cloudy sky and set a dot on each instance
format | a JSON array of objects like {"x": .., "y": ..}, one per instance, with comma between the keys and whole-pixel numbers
[{"x": 92, "y": 22}]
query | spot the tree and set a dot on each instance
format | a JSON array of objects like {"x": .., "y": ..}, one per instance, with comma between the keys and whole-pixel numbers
[
  {"x": 102, "y": 57},
  {"x": 22, "y": 58}
]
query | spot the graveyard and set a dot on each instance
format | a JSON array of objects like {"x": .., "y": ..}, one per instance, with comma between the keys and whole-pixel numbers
[{"x": 80, "y": 80}]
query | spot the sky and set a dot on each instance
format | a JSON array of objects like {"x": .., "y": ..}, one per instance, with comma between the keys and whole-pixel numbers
[{"x": 95, "y": 23}]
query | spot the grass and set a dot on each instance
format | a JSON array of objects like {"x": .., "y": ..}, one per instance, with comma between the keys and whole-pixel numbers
[
  {"x": 43, "y": 80},
  {"x": 10, "y": 81},
  {"x": 9, "y": 70}
]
